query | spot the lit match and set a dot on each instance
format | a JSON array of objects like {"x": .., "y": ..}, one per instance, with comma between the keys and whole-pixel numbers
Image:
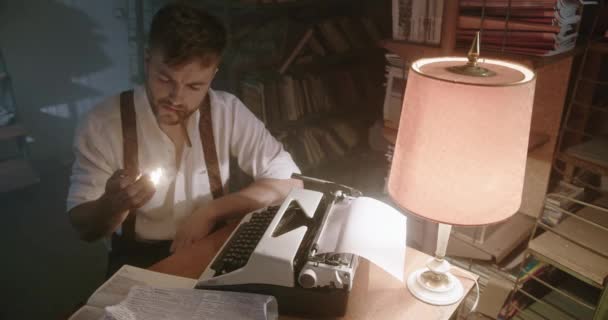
[{"x": 156, "y": 175}]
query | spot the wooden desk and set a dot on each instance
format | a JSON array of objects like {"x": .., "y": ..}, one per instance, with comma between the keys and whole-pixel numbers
[{"x": 375, "y": 293}]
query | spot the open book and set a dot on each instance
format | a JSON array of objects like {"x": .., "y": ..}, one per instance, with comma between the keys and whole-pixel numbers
[{"x": 146, "y": 294}]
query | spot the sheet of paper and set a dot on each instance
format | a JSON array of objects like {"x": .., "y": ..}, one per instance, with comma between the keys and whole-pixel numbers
[
  {"x": 88, "y": 313},
  {"x": 117, "y": 287},
  {"x": 177, "y": 304},
  {"x": 370, "y": 229}
]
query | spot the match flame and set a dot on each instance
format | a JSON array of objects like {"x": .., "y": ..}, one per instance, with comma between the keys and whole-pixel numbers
[{"x": 156, "y": 175}]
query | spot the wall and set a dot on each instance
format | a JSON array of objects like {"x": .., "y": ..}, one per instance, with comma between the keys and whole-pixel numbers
[{"x": 64, "y": 56}]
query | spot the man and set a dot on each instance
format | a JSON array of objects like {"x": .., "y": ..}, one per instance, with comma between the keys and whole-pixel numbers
[{"x": 117, "y": 149}]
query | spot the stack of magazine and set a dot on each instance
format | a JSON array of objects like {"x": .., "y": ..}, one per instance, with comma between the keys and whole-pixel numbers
[{"x": 532, "y": 27}]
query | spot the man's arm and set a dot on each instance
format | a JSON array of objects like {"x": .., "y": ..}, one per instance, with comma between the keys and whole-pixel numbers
[
  {"x": 259, "y": 155},
  {"x": 261, "y": 193},
  {"x": 98, "y": 218},
  {"x": 93, "y": 220}
]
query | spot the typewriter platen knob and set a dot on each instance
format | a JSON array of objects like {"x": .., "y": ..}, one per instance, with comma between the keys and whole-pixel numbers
[{"x": 307, "y": 278}]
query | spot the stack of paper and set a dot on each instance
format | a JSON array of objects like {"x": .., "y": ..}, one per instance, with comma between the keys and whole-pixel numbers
[{"x": 135, "y": 293}]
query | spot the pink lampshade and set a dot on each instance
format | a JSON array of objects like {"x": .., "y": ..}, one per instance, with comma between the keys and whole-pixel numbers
[{"x": 461, "y": 149}]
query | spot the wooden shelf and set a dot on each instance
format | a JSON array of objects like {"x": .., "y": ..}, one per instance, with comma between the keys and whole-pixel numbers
[
  {"x": 12, "y": 131},
  {"x": 318, "y": 63},
  {"x": 411, "y": 51},
  {"x": 288, "y": 5},
  {"x": 16, "y": 174},
  {"x": 322, "y": 62},
  {"x": 569, "y": 255},
  {"x": 317, "y": 119}
]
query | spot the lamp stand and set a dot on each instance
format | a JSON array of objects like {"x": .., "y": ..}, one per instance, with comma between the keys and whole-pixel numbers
[{"x": 435, "y": 284}]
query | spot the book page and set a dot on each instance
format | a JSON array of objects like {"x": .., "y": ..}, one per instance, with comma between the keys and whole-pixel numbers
[
  {"x": 176, "y": 304},
  {"x": 114, "y": 290},
  {"x": 88, "y": 313}
]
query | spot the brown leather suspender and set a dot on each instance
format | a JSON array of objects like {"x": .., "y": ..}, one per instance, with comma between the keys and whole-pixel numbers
[
  {"x": 205, "y": 128},
  {"x": 130, "y": 150}
]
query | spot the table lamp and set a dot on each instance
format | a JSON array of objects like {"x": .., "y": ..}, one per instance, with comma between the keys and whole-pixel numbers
[{"x": 460, "y": 153}]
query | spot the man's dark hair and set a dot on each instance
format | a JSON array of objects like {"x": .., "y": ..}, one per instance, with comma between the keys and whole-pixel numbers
[{"x": 184, "y": 32}]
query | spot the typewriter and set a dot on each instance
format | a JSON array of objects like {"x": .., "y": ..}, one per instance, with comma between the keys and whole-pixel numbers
[{"x": 274, "y": 251}]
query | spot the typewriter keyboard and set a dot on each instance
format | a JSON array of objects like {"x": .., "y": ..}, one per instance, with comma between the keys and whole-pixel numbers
[{"x": 240, "y": 246}]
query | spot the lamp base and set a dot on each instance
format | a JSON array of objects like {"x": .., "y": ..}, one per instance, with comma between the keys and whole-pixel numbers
[{"x": 438, "y": 289}]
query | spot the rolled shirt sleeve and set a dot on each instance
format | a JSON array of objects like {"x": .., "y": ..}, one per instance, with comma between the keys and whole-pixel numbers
[
  {"x": 258, "y": 153},
  {"x": 92, "y": 166}
]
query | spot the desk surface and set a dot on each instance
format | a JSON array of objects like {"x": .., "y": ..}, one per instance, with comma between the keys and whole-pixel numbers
[{"x": 375, "y": 293}]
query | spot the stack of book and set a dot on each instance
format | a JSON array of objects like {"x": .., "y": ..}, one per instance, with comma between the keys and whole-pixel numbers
[
  {"x": 300, "y": 68},
  {"x": 329, "y": 37},
  {"x": 552, "y": 213},
  {"x": 532, "y": 27},
  {"x": 313, "y": 145},
  {"x": 417, "y": 20},
  {"x": 307, "y": 77},
  {"x": 396, "y": 77},
  {"x": 286, "y": 98},
  {"x": 280, "y": 101}
]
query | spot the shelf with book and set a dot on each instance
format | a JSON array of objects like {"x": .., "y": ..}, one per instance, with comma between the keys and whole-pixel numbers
[
  {"x": 311, "y": 71},
  {"x": 320, "y": 119},
  {"x": 285, "y": 101},
  {"x": 574, "y": 246},
  {"x": 313, "y": 64},
  {"x": 266, "y": 5},
  {"x": 321, "y": 63},
  {"x": 320, "y": 143}
]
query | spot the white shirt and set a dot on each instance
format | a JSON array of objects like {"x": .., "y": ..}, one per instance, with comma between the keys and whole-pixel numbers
[{"x": 237, "y": 133}]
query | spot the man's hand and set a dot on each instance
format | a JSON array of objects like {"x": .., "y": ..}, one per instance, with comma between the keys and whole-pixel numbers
[
  {"x": 126, "y": 191},
  {"x": 101, "y": 217},
  {"x": 193, "y": 228}
]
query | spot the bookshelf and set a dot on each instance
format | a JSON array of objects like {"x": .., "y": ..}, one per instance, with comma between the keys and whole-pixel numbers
[
  {"x": 272, "y": 6},
  {"x": 319, "y": 86},
  {"x": 573, "y": 249}
]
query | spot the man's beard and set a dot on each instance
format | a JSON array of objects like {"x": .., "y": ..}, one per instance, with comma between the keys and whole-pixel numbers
[
  {"x": 163, "y": 117},
  {"x": 166, "y": 116}
]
